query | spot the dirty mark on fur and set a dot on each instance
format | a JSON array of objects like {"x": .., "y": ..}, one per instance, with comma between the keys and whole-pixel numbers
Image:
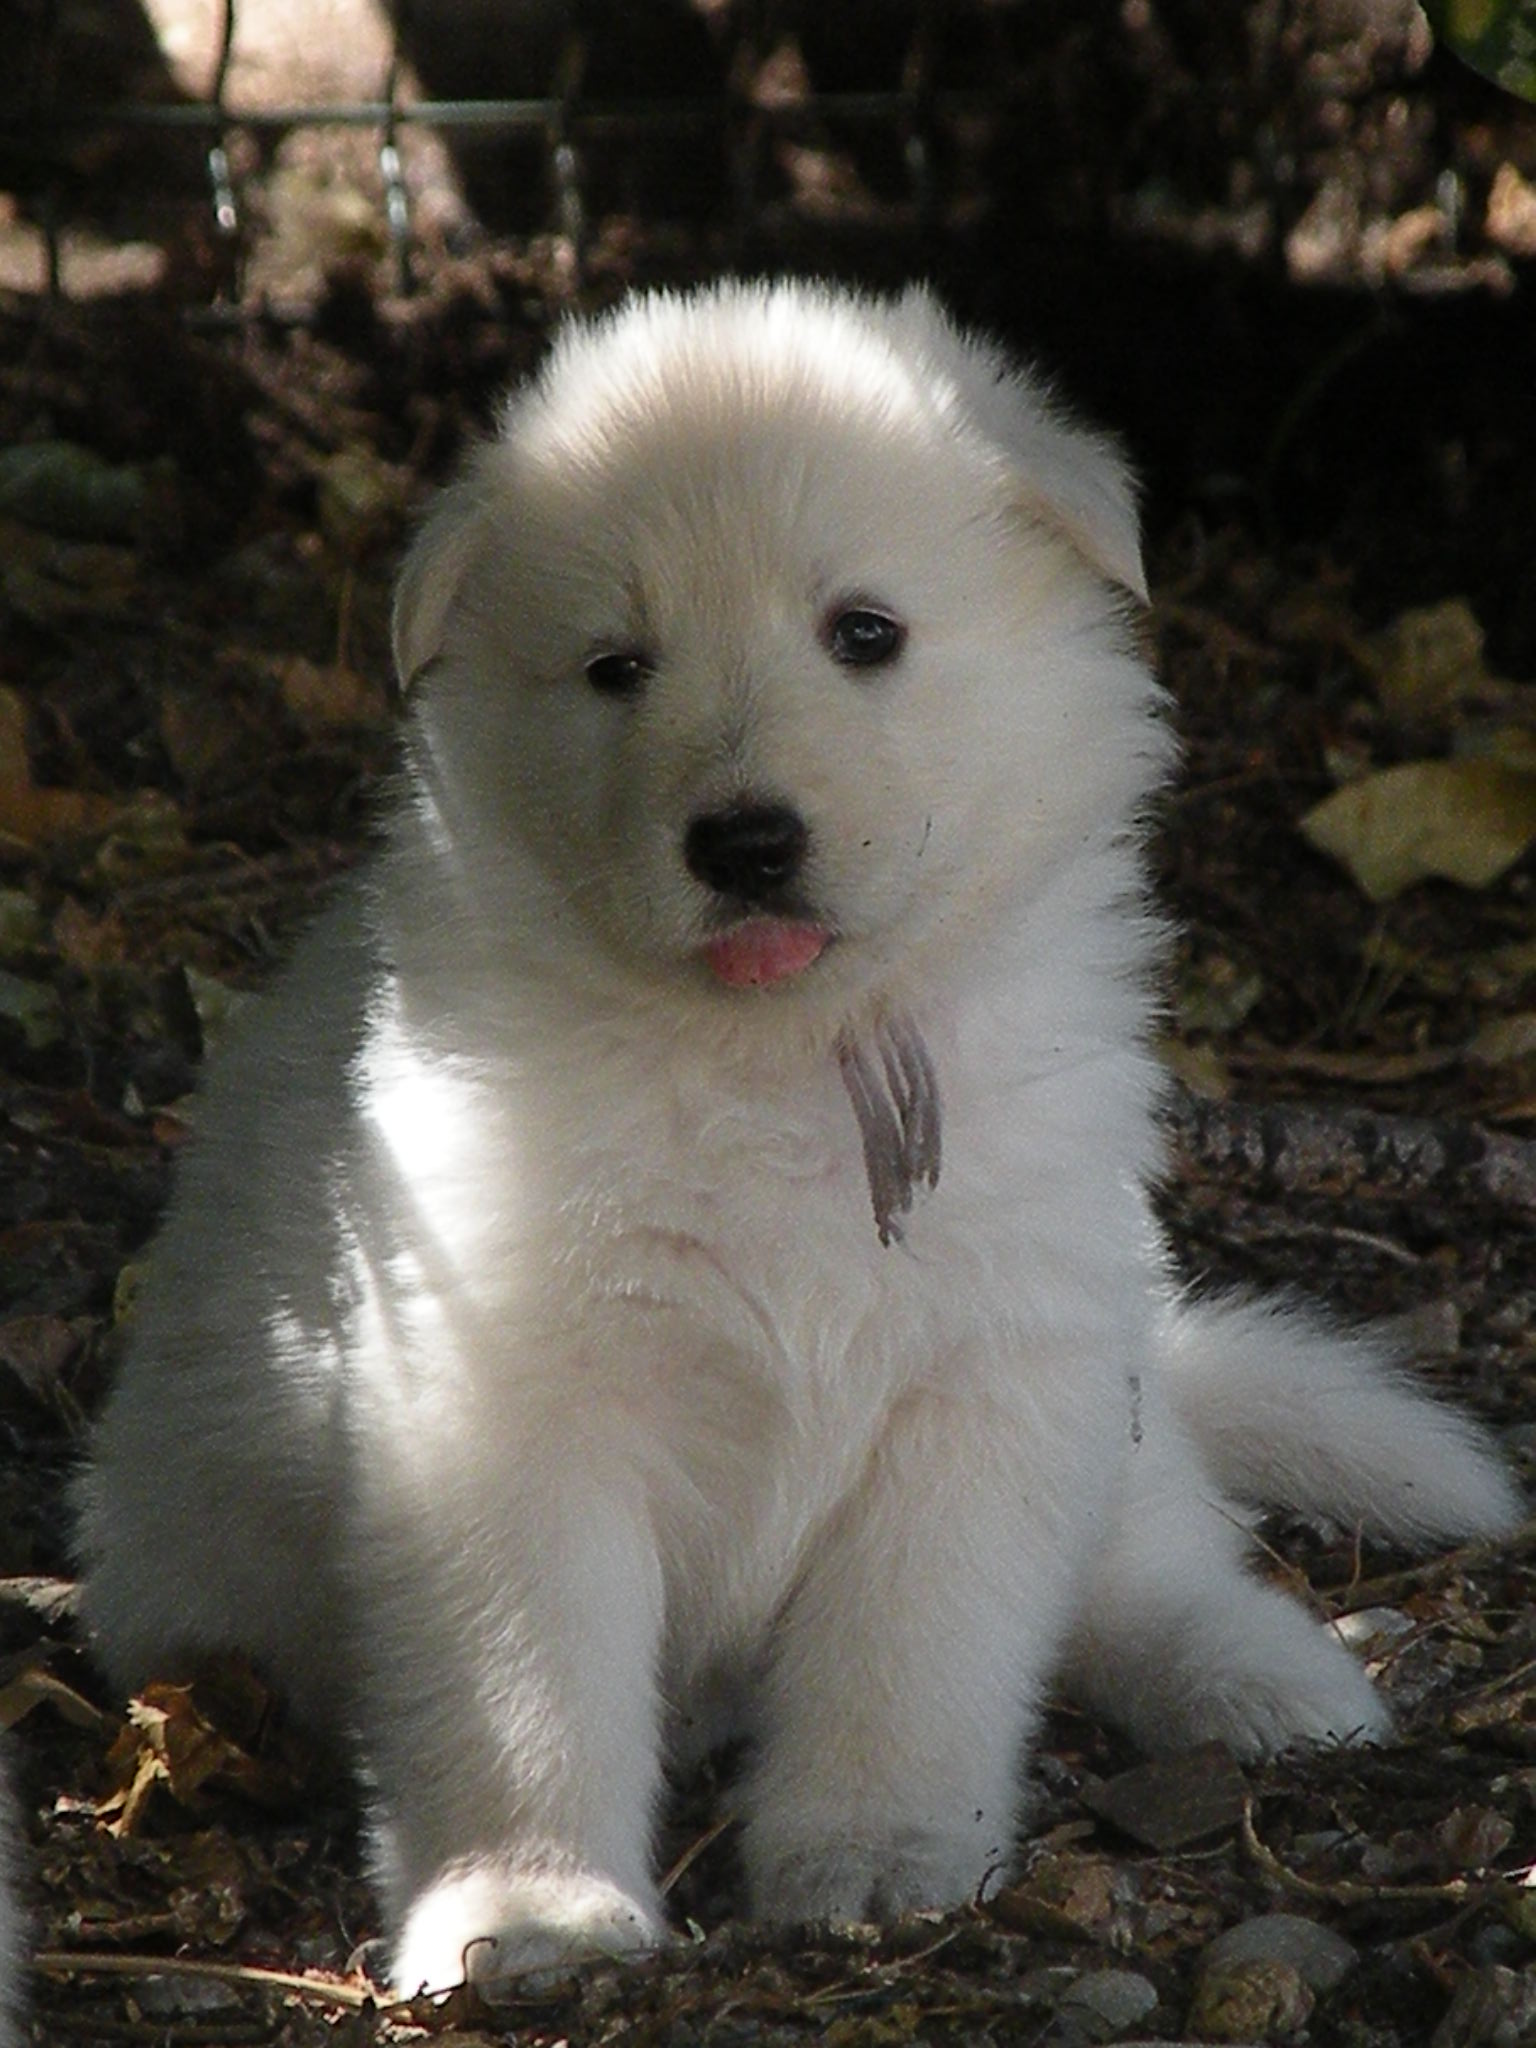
[{"x": 895, "y": 1096}]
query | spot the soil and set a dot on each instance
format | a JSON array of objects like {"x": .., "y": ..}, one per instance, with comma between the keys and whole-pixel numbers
[{"x": 1290, "y": 256}]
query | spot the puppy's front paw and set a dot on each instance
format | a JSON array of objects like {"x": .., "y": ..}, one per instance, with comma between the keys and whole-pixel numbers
[
  {"x": 489, "y": 1923},
  {"x": 867, "y": 1880}
]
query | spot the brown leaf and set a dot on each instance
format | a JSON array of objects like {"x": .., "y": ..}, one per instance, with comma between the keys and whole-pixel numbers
[
  {"x": 1069, "y": 1896},
  {"x": 54, "y": 583},
  {"x": 1511, "y": 217},
  {"x": 1256, "y": 2000},
  {"x": 1503, "y": 1041},
  {"x": 147, "y": 837},
  {"x": 39, "y": 1350},
  {"x": 1474, "y": 1837},
  {"x": 169, "y": 1740},
  {"x": 37, "y": 1686},
  {"x": 1173, "y": 1800},
  {"x": 86, "y": 941},
  {"x": 30, "y": 814},
  {"x": 359, "y": 496},
  {"x": 321, "y": 698}
]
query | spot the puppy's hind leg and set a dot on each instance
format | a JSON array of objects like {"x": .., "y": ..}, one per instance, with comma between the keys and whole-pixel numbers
[{"x": 1178, "y": 1643}]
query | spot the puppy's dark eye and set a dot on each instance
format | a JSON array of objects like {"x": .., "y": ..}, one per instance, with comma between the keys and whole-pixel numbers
[
  {"x": 863, "y": 638},
  {"x": 618, "y": 675}
]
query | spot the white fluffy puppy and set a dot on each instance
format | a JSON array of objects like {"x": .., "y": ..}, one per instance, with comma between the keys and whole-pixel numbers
[{"x": 678, "y": 1236}]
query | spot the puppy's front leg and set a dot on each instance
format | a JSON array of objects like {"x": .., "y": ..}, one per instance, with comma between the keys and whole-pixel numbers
[
  {"x": 513, "y": 1608},
  {"x": 911, "y": 1663}
]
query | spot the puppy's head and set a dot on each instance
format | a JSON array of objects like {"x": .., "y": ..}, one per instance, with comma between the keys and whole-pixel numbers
[{"x": 783, "y": 633}]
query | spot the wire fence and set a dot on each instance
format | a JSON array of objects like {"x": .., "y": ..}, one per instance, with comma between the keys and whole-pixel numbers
[{"x": 567, "y": 122}]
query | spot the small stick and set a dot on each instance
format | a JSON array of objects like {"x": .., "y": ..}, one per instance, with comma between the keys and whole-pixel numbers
[{"x": 249, "y": 1976}]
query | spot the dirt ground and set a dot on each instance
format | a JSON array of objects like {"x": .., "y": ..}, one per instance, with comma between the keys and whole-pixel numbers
[{"x": 1289, "y": 254}]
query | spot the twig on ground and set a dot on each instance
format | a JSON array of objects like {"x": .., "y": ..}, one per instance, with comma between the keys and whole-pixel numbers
[
  {"x": 1434, "y": 1571},
  {"x": 248, "y": 1976},
  {"x": 695, "y": 1850},
  {"x": 1302, "y": 1149},
  {"x": 1348, "y": 1891}
]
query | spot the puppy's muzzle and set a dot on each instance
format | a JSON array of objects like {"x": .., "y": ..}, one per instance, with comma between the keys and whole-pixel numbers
[{"x": 751, "y": 853}]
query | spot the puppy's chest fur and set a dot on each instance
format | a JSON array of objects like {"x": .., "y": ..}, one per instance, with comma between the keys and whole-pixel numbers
[
  {"x": 616, "y": 1177},
  {"x": 688, "y": 1247}
]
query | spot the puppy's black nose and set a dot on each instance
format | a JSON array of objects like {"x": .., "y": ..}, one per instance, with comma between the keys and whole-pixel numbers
[{"x": 751, "y": 852}]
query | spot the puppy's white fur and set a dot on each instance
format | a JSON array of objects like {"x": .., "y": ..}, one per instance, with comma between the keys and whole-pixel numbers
[{"x": 522, "y": 1374}]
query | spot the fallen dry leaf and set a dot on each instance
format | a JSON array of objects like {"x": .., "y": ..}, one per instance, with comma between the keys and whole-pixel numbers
[
  {"x": 1504, "y": 1040},
  {"x": 1200, "y": 1068},
  {"x": 164, "y": 1740},
  {"x": 359, "y": 497},
  {"x": 148, "y": 837},
  {"x": 1174, "y": 1800},
  {"x": 1429, "y": 659},
  {"x": 30, "y": 814},
  {"x": 1216, "y": 993},
  {"x": 1256, "y": 2000},
  {"x": 87, "y": 941},
  {"x": 38, "y": 1350},
  {"x": 1511, "y": 217},
  {"x": 54, "y": 583},
  {"x": 1466, "y": 821},
  {"x": 1068, "y": 1897},
  {"x": 1474, "y": 1837},
  {"x": 169, "y": 1740},
  {"x": 331, "y": 695},
  {"x": 37, "y": 1686}
]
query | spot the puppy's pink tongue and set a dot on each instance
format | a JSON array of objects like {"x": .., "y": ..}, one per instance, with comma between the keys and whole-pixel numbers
[{"x": 768, "y": 949}]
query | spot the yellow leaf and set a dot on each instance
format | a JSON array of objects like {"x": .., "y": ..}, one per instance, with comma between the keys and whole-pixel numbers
[
  {"x": 1430, "y": 659},
  {"x": 323, "y": 697},
  {"x": 1466, "y": 821},
  {"x": 1216, "y": 993},
  {"x": 1504, "y": 1040},
  {"x": 1513, "y": 746},
  {"x": 359, "y": 497},
  {"x": 1201, "y": 1068}
]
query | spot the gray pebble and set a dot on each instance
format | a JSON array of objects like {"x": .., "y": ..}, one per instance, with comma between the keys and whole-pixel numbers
[
  {"x": 1493, "y": 2008},
  {"x": 177, "y": 1997},
  {"x": 1377, "y": 1627},
  {"x": 1104, "y": 2002},
  {"x": 1319, "y": 1957}
]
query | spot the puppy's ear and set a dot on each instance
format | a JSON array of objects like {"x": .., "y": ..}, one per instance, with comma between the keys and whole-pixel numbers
[
  {"x": 1080, "y": 484},
  {"x": 433, "y": 571},
  {"x": 1069, "y": 478}
]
